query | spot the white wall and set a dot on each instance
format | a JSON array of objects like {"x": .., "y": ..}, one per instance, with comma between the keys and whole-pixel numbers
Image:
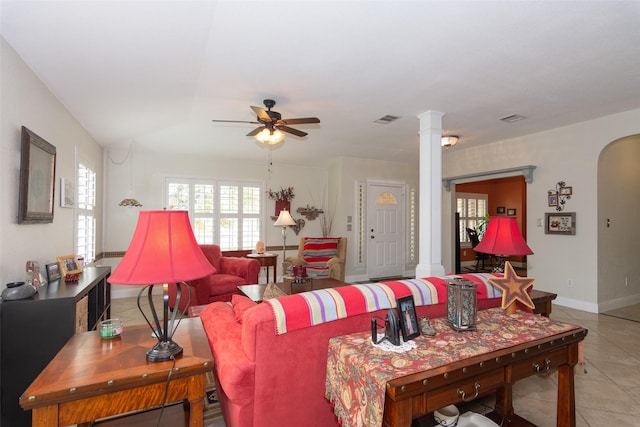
[
  {"x": 151, "y": 168},
  {"x": 567, "y": 154},
  {"x": 331, "y": 189},
  {"x": 26, "y": 101},
  {"x": 350, "y": 170}
]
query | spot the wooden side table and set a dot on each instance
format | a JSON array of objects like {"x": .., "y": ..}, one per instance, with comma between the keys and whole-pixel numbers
[
  {"x": 92, "y": 378},
  {"x": 267, "y": 260},
  {"x": 542, "y": 301}
]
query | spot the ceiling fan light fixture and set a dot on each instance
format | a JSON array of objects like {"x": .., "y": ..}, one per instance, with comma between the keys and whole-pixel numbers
[
  {"x": 269, "y": 136},
  {"x": 449, "y": 141}
]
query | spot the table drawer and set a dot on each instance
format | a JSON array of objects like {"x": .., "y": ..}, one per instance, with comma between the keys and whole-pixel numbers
[
  {"x": 541, "y": 364},
  {"x": 467, "y": 389}
]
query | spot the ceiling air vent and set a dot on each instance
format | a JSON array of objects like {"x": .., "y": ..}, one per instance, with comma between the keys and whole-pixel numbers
[
  {"x": 512, "y": 118},
  {"x": 386, "y": 119}
]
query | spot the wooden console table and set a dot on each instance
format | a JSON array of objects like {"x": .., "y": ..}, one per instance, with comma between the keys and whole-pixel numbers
[
  {"x": 92, "y": 378},
  {"x": 452, "y": 367}
]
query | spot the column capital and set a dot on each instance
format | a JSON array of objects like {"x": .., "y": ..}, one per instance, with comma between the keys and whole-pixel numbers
[{"x": 431, "y": 119}]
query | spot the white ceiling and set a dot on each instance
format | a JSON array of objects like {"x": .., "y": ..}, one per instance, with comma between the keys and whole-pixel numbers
[{"x": 157, "y": 72}]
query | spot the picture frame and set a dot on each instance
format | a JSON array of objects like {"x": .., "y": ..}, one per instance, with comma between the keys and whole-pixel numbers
[
  {"x": 563, "y": 223},
  {"x": 53, "y": 272},
  {"x": 500, "y": 210},
  {"x": 408, "y": 318},
  {"x": 566, "y": 191},
  {"x": 552, "y": 199},
  {"x": 67, "y": 193},
  {"x": 511, "y": 212},
  {"x": 37, "y": 179},
  {"x": 69, "y": 265}
]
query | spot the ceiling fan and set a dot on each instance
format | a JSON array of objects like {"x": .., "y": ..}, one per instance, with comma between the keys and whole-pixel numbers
[{"x": 271, "y": 124}]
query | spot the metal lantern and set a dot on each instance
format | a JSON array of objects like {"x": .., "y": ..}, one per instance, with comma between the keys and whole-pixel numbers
[{"x": 462, "y": 304}]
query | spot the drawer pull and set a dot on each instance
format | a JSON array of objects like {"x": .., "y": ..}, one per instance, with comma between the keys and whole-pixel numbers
[
  {"x": 462, "y": 394},
  {"x": 541, "y": 370}
]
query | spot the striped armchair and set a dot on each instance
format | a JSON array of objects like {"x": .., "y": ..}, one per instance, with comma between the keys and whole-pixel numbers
[{"x": 323, "y": 256}]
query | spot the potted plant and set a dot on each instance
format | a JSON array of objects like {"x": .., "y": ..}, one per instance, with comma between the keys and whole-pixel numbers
[{"x": 283, "y": 199}]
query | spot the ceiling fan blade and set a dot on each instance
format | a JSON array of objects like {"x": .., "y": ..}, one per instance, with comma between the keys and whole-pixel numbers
[
  {"x": 301, "y": 121},
  {"x": 261, "y": 113},
  {"x": 293, "y": 131},
  {"x": 256, "y": 131},
  {"x": 234, "y": 121}
]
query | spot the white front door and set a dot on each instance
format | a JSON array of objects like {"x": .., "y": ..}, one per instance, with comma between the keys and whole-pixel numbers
[{"x": 385, "y": 230}]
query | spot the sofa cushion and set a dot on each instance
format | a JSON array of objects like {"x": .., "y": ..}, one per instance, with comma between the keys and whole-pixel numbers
[
  {"x": 240, "y": 304},
  {"x": 224, "y": 284},
  {"x": 316, "y": 252}
]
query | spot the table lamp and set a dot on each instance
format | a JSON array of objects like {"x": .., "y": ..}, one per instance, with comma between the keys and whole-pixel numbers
[
  {"x": 503, "y": 239},
  {"x": 284, "y": 220},
  {"x": 163, "y": 250}
]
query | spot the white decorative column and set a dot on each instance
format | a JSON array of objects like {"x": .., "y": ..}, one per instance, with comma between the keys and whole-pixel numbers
[{"x": 430, "y": 219}]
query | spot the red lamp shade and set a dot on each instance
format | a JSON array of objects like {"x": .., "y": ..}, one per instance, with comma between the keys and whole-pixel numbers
[
  {"x": 163, "y": 250},
  {"x": 503, "y": 238}
]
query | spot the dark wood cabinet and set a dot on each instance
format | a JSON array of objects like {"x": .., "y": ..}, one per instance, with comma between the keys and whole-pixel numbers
[{"x": 33, "y": 330}]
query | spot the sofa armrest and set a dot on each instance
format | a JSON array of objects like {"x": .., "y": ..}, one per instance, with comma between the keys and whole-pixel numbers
[
  {"x": 247, "y": 268},
  {"x": 235, "y": 371}
]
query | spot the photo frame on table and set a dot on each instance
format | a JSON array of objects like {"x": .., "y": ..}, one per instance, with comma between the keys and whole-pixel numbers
[
  {"x": 53, "y": 272},
  {"x": 500, "y": 210},
  {"x": 37, "y": 179},
  {"x": 511, "y": 212},
  {"x": 408, "y": 318},
  {"x": 560, "y": 223},
  {"x": 69, "y": 265}
]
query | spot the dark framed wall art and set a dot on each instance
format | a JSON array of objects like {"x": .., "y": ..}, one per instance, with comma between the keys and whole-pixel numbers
[
  {"x": 37, "y": 179},
  {"x": 560, "y": 223}
]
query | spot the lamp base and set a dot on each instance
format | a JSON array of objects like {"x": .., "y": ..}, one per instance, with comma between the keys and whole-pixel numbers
[
  {"x": 499, "y": 266},
  {"x": 163, "y": 351}
]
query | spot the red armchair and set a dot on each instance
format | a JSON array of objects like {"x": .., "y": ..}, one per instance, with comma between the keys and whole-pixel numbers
[{"x": 230, "y": 273}]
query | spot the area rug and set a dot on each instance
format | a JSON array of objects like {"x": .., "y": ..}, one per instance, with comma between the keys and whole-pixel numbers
[{"x": 212, "y": 411}]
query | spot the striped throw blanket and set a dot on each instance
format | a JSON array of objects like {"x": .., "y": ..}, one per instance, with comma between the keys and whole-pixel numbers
[{"x": 325, "y": 305}]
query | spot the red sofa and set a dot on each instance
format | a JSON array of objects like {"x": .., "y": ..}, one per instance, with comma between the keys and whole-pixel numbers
[
  {"x": 268, "y": 378},
  {"x": 230, "y": 272}
]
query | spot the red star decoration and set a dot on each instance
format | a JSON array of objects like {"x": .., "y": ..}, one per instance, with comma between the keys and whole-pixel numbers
[{"x": 513, "y": 288}]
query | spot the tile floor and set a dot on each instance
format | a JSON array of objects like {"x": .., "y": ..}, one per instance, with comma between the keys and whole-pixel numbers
[{"x": 608, "y": 394}]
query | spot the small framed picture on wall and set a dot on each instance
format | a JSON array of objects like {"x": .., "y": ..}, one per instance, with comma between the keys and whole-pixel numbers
[
  {"x": 511, "y": 212},
  {"x": 552, "y": 199},
  {"x": 500, "y": 210},
  {"x": 560, "y": 223}
]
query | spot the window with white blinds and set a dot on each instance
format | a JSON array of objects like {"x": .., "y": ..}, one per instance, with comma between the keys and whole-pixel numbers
[
  {"x": 222, "y": 212},
  {"x": 472, "y": 208},
  {"x": 86, "y": 220}
]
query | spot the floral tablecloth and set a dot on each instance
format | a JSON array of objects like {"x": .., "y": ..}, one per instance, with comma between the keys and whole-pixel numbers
[{"x": 357, "y": 372}]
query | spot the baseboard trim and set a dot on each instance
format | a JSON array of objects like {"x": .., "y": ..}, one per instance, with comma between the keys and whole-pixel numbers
[{"x": 618, "y": 303}]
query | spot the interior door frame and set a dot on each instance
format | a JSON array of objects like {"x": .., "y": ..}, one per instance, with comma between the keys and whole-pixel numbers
[{"x": 402, "y": 188}]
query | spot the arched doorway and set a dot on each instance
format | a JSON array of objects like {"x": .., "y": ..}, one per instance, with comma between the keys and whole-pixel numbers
[{"x": 618, "y": 196}]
